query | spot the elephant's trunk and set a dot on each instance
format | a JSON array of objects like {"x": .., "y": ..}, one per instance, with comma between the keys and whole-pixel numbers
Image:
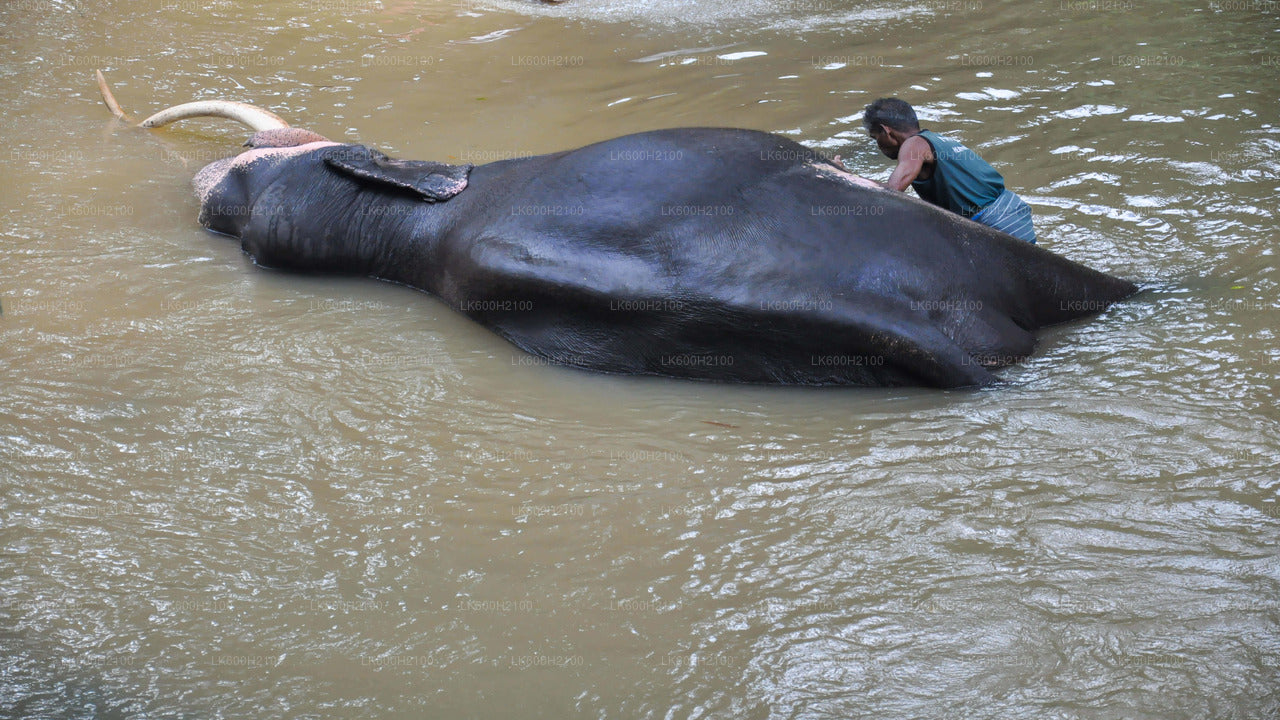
[{"x": 256, "y": 118}]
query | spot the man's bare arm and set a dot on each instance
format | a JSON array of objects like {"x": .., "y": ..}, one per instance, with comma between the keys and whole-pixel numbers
[{"x": 912, "y": 156}]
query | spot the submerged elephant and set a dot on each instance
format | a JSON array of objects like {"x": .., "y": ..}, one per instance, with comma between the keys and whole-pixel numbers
[{"x": 709, "y": 253}]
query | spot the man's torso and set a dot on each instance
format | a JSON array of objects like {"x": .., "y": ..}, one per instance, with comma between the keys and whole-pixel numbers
[{"x": 957, "y": 179}]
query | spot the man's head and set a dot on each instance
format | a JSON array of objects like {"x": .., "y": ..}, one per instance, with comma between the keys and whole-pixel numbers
[{"x": 890, "y": 121}]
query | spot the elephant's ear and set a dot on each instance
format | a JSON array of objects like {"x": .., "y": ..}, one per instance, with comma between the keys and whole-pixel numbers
[{"x": 433, "y": 181}]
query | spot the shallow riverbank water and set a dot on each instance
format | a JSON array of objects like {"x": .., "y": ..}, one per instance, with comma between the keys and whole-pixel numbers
[{"x": 229, "y": 492}]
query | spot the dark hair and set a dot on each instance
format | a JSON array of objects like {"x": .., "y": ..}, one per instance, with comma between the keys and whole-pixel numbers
[{"x": 893, "y": 112}]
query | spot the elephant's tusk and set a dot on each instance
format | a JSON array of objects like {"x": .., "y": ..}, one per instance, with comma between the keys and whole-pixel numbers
[
  {"x": 255, "y": 118},
  {"x": 108, "y": 98}
]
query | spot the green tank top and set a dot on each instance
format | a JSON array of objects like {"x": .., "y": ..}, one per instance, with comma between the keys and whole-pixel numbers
[{"x": 961, "y": 182}]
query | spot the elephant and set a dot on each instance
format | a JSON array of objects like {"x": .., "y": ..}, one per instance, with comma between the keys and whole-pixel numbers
[{"x": 704, "y": 253}]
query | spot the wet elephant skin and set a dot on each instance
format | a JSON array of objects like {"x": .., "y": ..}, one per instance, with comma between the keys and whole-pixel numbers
[{"x": 706, "y": 253}]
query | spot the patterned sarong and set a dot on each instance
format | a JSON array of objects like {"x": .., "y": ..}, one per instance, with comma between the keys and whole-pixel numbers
[{"x": 1011, "y": 214}]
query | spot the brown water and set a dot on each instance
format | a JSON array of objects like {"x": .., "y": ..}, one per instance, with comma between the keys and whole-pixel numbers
[{"x": 229, "y": 492}]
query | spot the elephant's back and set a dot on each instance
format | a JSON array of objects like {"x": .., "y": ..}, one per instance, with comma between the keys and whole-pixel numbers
[
  {"x": 738, "y": 242},
  {"x": 680, "y": 164},
  {"x": 649, "y": 169},
  {"x": 701, "y": 210},
  {"x": 655, "y": 192}
]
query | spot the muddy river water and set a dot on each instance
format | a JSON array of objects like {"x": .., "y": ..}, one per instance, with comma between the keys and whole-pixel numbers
[{"x": 231, "y": 492}]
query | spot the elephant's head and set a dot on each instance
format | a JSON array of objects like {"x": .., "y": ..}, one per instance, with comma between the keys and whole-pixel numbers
[
  {"x": 227, "y": 187},
  {"x": 297, "y": 199}
]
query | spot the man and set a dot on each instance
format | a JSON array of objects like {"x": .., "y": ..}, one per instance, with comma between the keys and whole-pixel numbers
[{"x": 943, "y": 171}]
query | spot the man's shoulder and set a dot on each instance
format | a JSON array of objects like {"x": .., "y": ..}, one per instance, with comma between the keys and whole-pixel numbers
[
  {"x": 949, "y": 149},
  {"x": 932, "y": 137},
  {"x": 918, "y": 146}
]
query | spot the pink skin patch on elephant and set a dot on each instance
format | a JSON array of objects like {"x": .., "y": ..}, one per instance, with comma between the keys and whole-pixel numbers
[
  {"x": 210, "y": 175},
  {"x": 450, "y": 188},
  {"x": 835, "y": 173}
]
